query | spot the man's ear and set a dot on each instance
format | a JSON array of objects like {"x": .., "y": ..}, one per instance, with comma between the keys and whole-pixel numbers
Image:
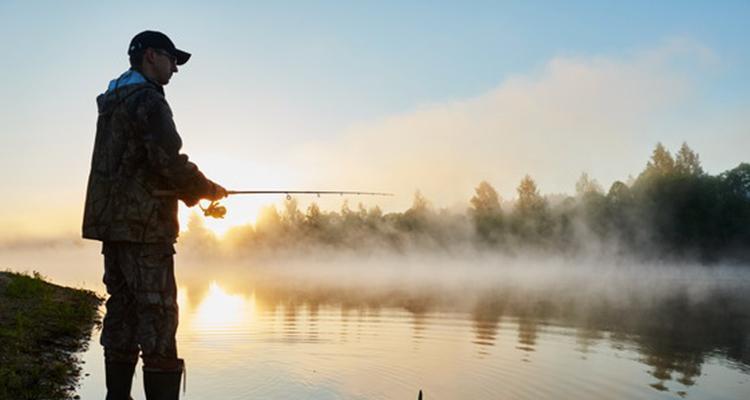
[{"x": 148, "y": 55}]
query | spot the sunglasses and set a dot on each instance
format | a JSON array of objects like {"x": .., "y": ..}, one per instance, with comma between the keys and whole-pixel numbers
[{"x": 171, "y": 57}]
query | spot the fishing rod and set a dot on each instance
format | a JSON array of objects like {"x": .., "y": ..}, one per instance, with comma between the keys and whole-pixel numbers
[{"x": 216, "y": 210}]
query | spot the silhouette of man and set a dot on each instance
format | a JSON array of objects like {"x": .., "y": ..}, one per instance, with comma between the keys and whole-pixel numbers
[{"x": 137, "y": 151}]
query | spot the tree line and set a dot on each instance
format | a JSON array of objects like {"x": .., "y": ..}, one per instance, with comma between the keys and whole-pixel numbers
[{"x": 672, "y": 210}]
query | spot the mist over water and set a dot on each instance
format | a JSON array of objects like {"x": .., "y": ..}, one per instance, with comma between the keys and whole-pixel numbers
[
  {"x": 681, "y": 330},
  {"x": 677, "y": 321}
]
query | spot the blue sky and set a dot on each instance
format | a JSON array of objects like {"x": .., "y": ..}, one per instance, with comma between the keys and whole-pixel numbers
[{"x": 278, "y": 90}]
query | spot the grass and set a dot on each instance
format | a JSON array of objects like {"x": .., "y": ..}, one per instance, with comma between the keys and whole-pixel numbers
[{"x": 42, "y": 326}]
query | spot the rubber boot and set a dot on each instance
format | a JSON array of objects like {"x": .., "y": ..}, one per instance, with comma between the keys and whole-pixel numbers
[
  {"x": 119, "y": 379},
  {"x": 160, "y": 384}
]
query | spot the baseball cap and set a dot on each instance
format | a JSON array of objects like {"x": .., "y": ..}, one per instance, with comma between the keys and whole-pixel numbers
[{"x": 157, "y": 40}]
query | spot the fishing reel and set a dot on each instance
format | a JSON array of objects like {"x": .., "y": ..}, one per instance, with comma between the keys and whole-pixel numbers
[{"x": 214, "y": 210}]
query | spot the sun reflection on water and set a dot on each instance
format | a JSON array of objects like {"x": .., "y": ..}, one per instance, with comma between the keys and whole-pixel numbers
[{"x": 220, "y": 310}]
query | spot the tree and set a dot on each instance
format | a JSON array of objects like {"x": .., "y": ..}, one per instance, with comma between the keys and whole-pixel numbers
[
  {"x": 619, "y": 193},
  {"x": 529, "y": 202},
  {"x": 687, "y": 162},
  {"x": 486, "y": 213},
  {"x": 374, "y": 217},
  {"x": 620, "y": 205},
  {"x": 353, "y": 218},
  {"x": 735, "y": 214},
  {"x": 269, "y": 220},
  {"x": 420, "y": 204},
  {"x": 198, "y": 235},
  {"x": 531, "y": 218},
  {"x": 660, "y": 164},
  {"x": 375, "y": 214},
  {"x": 486, "y": 200},
  {"x": 361, "y": 211},
  {"x": 586, "y": 185},
  {"x": 416, "y": 217},
  {"x": 590, "y": 206},
  {"x": 292, "y": 216},
  {"x": 738, "y": 180},
  {"x": 313, "y": 216}
]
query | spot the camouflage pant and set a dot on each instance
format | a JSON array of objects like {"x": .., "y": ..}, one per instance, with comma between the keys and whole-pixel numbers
[{"x": 142, "y": 306}]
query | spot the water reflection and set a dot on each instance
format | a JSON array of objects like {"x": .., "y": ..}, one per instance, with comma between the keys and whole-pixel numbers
[
  {"x": 290, "y": 319},
  {"x": 418, "y": 325},
  {"x": 673, "y": 334},
  {"x": 313, "y": 309},
  {"x": 486, "y": 320},
  {"x": 219, "y": 311},
  {"x": 586, "y": 338},
  {"x": 527, "y": 334}
]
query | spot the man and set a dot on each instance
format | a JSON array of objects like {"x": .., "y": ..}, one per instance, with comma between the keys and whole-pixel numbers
[{"x": 136, "y": 152}]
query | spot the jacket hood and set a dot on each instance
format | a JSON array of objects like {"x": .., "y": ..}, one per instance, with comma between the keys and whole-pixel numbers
[
  {"x": 120, "y": 88},
  {"x": 129, "y": 77}
]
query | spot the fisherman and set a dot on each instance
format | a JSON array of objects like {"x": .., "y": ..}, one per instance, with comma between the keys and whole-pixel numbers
[{"x": 136, "y": 152}]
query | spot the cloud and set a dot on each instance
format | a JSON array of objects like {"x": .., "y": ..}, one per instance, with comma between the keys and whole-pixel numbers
[
  {"x": 596, "y": 114},
  {"x": 574, "y": 114}
]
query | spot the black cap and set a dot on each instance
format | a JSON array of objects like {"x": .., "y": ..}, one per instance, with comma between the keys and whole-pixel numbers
[{"x": 156, "y": 40}]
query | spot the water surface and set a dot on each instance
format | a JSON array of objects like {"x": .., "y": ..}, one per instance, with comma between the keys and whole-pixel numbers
[{"x": 557, "y": 336}]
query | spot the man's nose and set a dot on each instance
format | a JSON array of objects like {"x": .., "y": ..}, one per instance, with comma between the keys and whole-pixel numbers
[{"x": 174, "y": 67}]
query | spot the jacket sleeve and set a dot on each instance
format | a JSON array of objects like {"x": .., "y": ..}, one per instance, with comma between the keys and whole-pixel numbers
[{"x": 163, "y": 144}]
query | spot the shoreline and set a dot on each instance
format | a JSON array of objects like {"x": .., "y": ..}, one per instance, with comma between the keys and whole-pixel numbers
[{"x": 43, "y": 329}]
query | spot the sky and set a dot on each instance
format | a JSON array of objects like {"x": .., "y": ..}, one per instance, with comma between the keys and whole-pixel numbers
[{"x": 383, "y": 96}]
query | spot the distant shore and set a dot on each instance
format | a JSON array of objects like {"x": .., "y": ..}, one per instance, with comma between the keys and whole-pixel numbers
[{"x": 42, "y": 327}]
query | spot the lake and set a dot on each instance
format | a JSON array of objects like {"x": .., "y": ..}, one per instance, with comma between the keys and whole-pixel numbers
[
  {"x": 546, "y": 334},
  {"x": 455, "y": 327}
]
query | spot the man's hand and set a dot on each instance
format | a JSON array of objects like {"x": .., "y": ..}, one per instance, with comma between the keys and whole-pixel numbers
[{"x": 218, "y": 192}]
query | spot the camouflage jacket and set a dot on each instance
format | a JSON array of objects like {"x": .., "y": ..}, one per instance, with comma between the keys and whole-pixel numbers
[{"x": 137, "y": 151}]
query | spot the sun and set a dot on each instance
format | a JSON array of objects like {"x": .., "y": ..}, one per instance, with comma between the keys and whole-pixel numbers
[{"x": 240, "y": 212}]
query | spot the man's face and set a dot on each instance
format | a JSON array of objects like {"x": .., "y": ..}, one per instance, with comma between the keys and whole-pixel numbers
[{"x": 164, "y": 66}]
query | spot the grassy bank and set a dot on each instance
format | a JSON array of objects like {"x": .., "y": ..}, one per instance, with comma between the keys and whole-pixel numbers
[{"x": 42, "y": 326}]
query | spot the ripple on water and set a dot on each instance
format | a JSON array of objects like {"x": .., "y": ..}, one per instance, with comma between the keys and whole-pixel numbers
[{"x": 327, "y": 352}]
